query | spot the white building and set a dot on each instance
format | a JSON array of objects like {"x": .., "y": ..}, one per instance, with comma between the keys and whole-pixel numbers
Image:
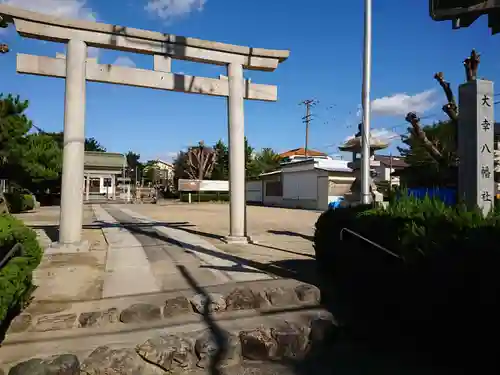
[
  {"x": 388, "y": 165},
  {"x": 310, "y": 184},
  {"x": 100, "y": 172},
  {"x": 164, "y": 172}
]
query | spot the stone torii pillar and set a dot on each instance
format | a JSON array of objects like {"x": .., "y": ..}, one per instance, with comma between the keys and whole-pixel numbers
[
  {"x": 71, "y": 216},
  {"x": 237, "y": 182}
]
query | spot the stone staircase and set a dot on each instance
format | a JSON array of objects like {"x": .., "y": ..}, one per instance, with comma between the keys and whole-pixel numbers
[{"x": 184, "y": 331}]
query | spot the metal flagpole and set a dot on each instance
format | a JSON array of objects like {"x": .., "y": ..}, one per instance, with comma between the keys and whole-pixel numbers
[{"x": 365, "y": 133}]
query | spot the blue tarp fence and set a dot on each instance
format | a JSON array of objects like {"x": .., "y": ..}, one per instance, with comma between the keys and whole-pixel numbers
[{"x": 446, "y": 195}]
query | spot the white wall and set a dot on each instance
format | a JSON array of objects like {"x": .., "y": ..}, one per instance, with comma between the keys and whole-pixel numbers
[
  {"x": 254, "y": 191},
  {"x": 300, "y": 185},
  {"x": 323, "y": 186}
]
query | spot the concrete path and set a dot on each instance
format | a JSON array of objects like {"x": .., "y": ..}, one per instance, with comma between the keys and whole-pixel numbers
[
  {"x": 210, "y": 256},
  {"x": 168, "y": 261},
  {"x": 128, "y": 270}
]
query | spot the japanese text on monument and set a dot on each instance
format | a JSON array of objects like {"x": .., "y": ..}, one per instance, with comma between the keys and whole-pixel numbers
[{"x": 485, "y": 155}]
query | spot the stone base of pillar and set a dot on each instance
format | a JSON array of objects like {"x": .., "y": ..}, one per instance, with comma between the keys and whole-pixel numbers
[
  {"x": 237, "y": 240},
  {"x": 68, "y": 248}
]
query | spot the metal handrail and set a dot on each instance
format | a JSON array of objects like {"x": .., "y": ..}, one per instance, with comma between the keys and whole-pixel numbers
[
  {"x": 17, "y": 247},
  {"x": 369, "y": 241}
]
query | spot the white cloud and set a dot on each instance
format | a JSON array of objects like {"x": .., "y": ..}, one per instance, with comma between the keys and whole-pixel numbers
[
  {"x": 169, "y": 9},
  {"x": 380, "y": 135},
  {"x": 59, "y": 8},
  {"x": 124, "y": 61},
  {"x": 401, "y": 104}
]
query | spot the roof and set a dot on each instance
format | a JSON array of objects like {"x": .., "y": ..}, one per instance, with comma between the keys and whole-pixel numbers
[
  {"x": 270, "y": 173},
  {"x": 397, "y": 161},
  {"x": 301, "y": 152},
  {"x": 333, "y": 169},
  {"x": 331, "y": 165},
  {"x": 165, "y": 162}
]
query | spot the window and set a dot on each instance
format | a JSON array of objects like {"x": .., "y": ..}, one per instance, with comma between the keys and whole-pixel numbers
[
  {"x": 274, "y": 189},
  {"x": 107, "y": 182}
]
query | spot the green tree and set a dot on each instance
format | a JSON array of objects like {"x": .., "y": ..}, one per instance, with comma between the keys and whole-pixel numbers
[
  {"x": 14, "y": 125},
  {"x": 91, "y": 144},
  {"x": 151, "y": 172},
  {"x": 423, "y": 168},
  {"x": 134, "y": 166},
  {"x": 221, "y": 167},
  {"x": 255, "y": 163},
  {"x": 39, "y": 163},
  {"x": 266, "y": 160},
  {"x": 31, "y": 161},
  {"x": 180, "y": 168}
]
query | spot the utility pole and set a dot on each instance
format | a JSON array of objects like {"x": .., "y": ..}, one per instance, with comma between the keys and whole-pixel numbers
[{"x": 309, "y": 103}]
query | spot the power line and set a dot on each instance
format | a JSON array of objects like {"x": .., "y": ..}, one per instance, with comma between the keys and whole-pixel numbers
[{"x": 309, "y": 103}]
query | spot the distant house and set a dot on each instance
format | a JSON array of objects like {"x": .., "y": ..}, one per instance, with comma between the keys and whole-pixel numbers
[
  {"x": 164, "y": 172},
  {"x": 299, "y": 154},
  {"x": 388, "y": 165}
]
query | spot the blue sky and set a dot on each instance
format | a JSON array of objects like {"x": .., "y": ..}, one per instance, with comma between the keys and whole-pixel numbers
[{"x": 325, "y": 39}]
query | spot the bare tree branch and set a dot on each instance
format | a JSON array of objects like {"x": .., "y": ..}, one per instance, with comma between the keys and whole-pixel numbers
[
  {"x": 200, "y": 161},
  {"x": 450, "y": 108},
  {"x": 417, "y": 131}
]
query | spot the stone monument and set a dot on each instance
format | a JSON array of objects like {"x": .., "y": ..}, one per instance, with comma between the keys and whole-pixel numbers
[
  {"x": 476, "y": 183},
  {"x": 353, "y": 145}
]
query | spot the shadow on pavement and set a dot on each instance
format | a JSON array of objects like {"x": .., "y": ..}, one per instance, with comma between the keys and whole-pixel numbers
[{"x": 291, "y": 234}]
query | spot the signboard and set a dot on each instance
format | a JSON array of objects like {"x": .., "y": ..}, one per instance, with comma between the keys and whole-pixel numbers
[
  {"x": 476, "y": 145},
  {"x": 203, "y": 185}
]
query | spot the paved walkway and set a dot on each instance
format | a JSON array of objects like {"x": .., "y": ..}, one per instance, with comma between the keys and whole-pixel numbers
[
  {"x": 220, "y": 262},
  {"x": 133, "y": 252},
  {"x": 128, "y": 270}
]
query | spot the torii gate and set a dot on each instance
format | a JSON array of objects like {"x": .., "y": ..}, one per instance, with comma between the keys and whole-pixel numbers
[{"x": 76, "y": 68}]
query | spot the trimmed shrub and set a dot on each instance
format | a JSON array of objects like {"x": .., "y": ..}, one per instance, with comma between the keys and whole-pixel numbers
[
  {"x": 19, "y": 201},
  {"x": 16, "y": 275},
  {"x": 205, "y": 197},
  {"x": 438, "y": 290},
  {"x": 28, "y": 202}
]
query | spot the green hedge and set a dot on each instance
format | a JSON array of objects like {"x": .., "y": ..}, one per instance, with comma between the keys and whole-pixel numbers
[
  {"x": 205, "y": 197},
  {"x": 19, "y": 201},
  {"x": 440, "y": 291},
  {"x": 16, "y": 275}
]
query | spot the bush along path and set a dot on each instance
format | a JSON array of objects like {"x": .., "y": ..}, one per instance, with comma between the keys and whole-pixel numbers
[
  {"x": 432, "y": 287},
  {"x": 16, "y": 272}
]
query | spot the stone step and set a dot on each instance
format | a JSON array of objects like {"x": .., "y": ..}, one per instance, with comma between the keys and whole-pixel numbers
[
  {"x": 42, "y": 322},
  {"x": 42, "y": 316},
  {"x": 258, "y": 336}
]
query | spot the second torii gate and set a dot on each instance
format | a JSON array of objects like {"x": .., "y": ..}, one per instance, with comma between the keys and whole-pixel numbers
[{"x": 77, "y": 69}]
